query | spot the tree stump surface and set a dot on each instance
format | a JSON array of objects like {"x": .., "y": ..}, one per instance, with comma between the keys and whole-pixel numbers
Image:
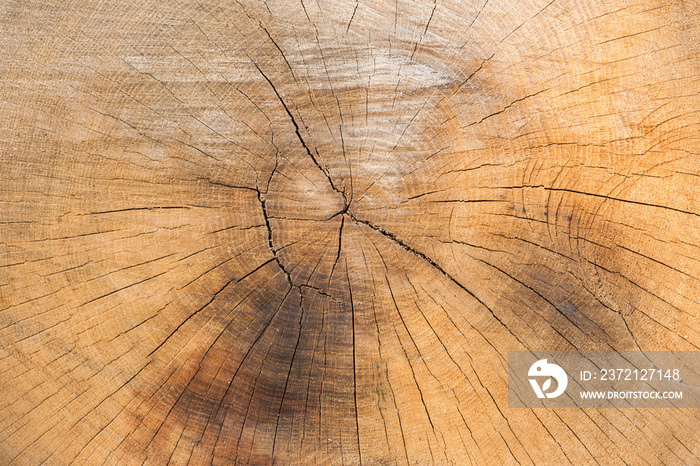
[{"x": 310, "y": 232}]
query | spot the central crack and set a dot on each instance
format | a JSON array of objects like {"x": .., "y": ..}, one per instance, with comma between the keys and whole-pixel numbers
[
  {"x": 344, "y": 211},
  {"x": 303, "y": 143},
  {"x": 262, "y": 196}
]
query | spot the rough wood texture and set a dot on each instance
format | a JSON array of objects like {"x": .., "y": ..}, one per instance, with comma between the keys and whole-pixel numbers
[{"x": 305, "y": 231}]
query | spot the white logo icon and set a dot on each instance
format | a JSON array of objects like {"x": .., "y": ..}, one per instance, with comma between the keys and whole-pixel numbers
[{"x": 542, "y": 369}]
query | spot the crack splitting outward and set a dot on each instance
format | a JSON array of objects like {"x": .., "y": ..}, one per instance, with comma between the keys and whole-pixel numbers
[
  {"x": 435, "y": 265},
  {"x": 269, "y": 237},
  {"x": 382, "y": 231},
  {"x": 298, "y": 133},
  {"x": 346, "y": 207},
  {"x": 405, "y": 246}
]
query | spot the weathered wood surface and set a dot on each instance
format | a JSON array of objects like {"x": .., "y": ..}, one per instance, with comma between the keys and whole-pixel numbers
[{"x": 305, "y": 231}]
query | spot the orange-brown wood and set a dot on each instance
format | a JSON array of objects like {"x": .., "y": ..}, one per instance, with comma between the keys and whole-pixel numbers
[{"x": 310, "y": 232}]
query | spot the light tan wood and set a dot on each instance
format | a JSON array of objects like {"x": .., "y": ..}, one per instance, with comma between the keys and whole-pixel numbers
[{"x": 310, "y": 232}]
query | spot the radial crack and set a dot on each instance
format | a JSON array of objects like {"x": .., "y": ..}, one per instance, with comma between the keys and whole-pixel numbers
[
  {"x": 269, "y": 237},
  {"x": 296, "y": 130},
  {"x": 436, "y": 266}
]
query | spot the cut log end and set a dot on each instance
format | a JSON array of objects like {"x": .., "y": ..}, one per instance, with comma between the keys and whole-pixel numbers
[{"x": 296, "y": 232}]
